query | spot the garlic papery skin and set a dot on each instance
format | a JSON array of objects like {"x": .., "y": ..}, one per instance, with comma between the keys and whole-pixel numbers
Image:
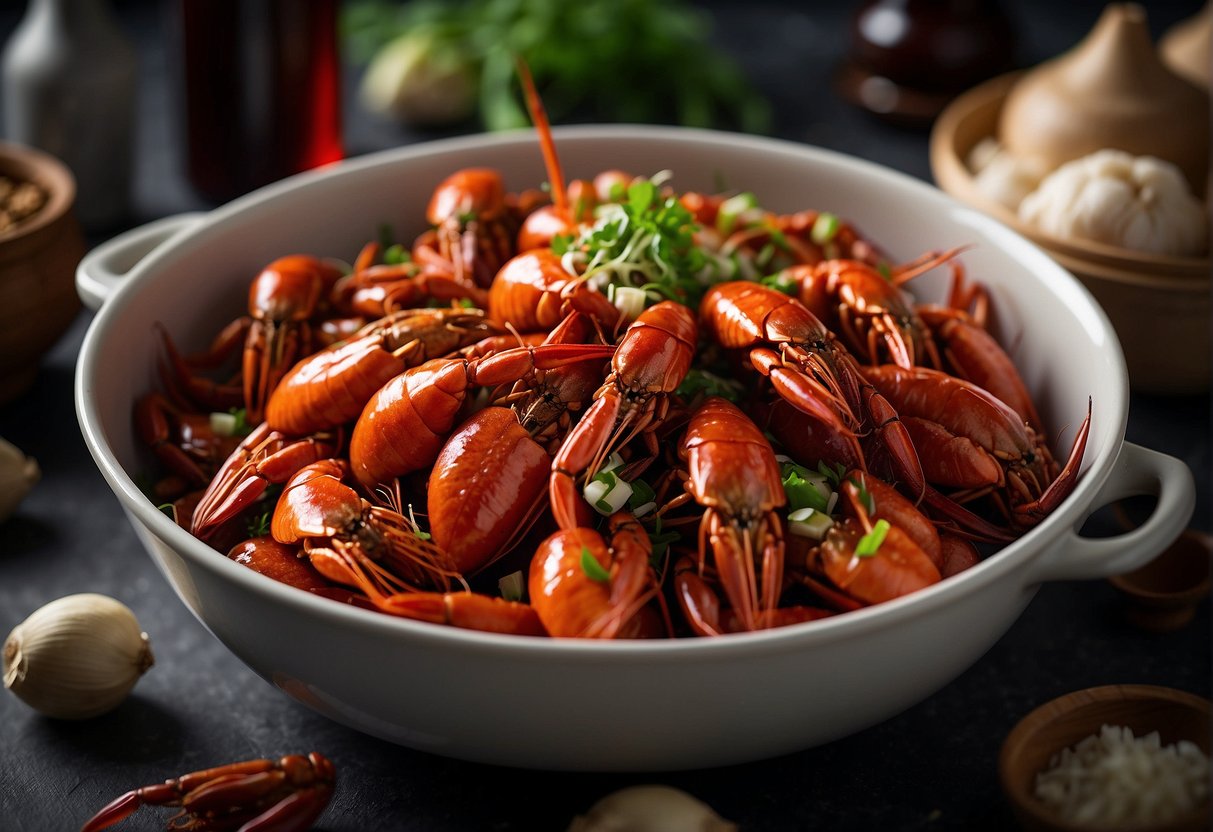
[
  {"x": 1135, "y": 202},
  {"x": 77, "y": 657},
  {"x": 650, "y": 809},
  {"x": 1003, "y": 177},
  {"x": 18, "y": 474}
]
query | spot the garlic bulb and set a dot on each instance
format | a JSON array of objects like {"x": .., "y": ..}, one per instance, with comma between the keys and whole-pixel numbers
[
  {"x": 650, "y": 809},
  {"x": 18, "y": 473},
  {"x": 1135, "y": 202},
  {"x": 1002, "y": 176},
  {"x": 77, "y": 657}
]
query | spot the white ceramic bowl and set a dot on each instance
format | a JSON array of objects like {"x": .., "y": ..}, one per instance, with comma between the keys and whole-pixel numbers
[{"x": 566, "y": 704}]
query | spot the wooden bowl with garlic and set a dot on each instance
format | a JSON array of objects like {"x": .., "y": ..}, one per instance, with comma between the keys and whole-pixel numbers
[{"x": 1107, "y": 189}]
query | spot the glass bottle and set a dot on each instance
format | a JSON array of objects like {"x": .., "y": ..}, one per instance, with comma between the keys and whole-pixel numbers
[{"x": 69, "y": 88}]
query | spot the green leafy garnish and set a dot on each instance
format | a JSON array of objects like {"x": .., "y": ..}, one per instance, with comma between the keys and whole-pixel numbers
[
  {"x": 242, "y": 427},
  {"x": 870, "y": 542},
  {"x": 259, "y": 524},
  {"x": 642, "y": 494},
  {"x": 780, "y": 281},
  {"x": 645, "y": 241},
  {"x": 592, "y": 568},
  {"x": 703, "y": 382},
  {"x": 396, "y": 254}
]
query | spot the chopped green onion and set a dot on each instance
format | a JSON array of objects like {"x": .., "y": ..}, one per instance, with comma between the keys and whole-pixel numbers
[
  {"x": 629, "y": 300},
  {"x": 808, "y": 522},
  {"x": 824, "y": 229},
  {"x": 731, "y": 209},
  {"x": 642, "y": 495},
  {"x": 417, "y": 526},
  {"x": 607, "y": 493},
  {"x": 870, "y": 542},
  {"x": 223, "y": 424},
  {"x": 805, "y": 488},
  {"x": 511, "y": 585},
  {"x": 592, "y": 568},
  {"x": 396, "y": 254}
]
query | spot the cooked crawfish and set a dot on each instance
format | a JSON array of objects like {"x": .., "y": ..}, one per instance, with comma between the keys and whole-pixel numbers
[
  {"x": 976, "y": 444},
  {"x": 614, "y": 605},
  {"x": 283, "y": 299},
  {"x": 733, "y": 474},
  {"x": 809, "y": 369},
  {"x": 896, "y": 566},
  {"x": 331, "y": 387},
  {"x": 473, "y": 227},
  {"x": 283, "y": 795},
  {"x": 652, "y": 359}
]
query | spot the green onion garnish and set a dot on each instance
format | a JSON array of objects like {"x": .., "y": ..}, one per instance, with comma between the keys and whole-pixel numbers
[
  {"x": 870, "y": 542},
  {"x": 824, "y": 229},
  {"x": 592, "y": 568}
]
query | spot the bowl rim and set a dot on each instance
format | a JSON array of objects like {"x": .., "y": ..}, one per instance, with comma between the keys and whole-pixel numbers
[
  {"x": 993, "y": 568},
  {"x": 947, "y": 161},
  {"x": 1025, "y": 731}
]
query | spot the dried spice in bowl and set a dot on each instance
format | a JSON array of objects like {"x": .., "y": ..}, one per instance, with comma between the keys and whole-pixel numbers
[{"x": 19, "y": 200}]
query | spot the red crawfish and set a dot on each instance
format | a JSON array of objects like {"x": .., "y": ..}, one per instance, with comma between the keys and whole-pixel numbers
[
  {"x": 870, "y": 311},
  {"x": 885, "y": 569},
  {"x": 378, "y": 551},
  {"x": 263, "y": 457},
  {"x": 652, "y": 359},
  {"x": 474, "y": 227},
  {"x": 331, "y": 387},
  {"x": 283, "y": 299},
  {"x": 733, "y": 474},
  {"x": 283, "y": 795},
  {"x": 809, "y": 369},
  {"x": 976, "y": 445},
  {"x": 407, "y": 421},
  {"x": 377, "y": 289},
  {"x": 574, "y": 599}
]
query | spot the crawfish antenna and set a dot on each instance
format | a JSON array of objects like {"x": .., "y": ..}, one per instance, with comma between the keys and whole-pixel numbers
[{"x": 540, "y": 118}]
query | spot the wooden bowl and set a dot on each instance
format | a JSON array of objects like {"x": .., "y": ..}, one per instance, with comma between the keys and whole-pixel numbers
[
  {"x": 1158, "y": 305},
  {"x": 1163, "y": 595},
  {"x": 1067, "y": 720},
  {"x": 38, "y": 259}
]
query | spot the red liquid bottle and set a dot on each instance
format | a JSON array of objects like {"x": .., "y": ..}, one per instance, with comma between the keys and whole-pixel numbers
[{"x": 262, "y": 83}]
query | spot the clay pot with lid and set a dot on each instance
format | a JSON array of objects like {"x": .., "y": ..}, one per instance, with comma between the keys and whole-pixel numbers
[{"x": 1110, "y": 91}]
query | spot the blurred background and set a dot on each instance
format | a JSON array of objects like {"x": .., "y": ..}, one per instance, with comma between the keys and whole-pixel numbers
[{"x": 192, "y": 102}]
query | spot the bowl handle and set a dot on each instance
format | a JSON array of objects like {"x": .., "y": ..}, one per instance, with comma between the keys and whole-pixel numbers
[
  {"x": 1137, "y": 471},
  {"x": 101, "y": 270}
]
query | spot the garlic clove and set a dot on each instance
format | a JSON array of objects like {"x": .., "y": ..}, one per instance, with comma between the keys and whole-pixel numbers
[
  {"x": 76, "y": 657},
  {"x": 650, "y": 809},
  {"x": 18, "y": 474}
]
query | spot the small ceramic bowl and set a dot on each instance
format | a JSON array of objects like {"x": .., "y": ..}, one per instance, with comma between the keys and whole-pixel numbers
[
  {"x": 38, "y": 259},
  {"x": 1159, "y": 306},
  {"x": 1064, "y": 722},
  {"x": 1163, "y": 595}
]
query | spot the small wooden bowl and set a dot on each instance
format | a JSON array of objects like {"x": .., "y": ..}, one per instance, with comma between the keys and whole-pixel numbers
[
  {"x": 1163, "y": 595},
  {"x": 1067, "y": 720},
  {"x": 38, "y": 259},
  {"x": 1159, "y": 306}
]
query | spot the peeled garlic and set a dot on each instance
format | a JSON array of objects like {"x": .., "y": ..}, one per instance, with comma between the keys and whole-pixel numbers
[
  {"x": 18, "y": 473},
  {"x": 77, "y": 657},
  {"x": 650, "y": 809}
]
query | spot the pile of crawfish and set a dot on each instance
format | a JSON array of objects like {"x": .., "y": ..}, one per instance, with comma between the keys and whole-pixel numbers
[{"x": 618, "y": 412}]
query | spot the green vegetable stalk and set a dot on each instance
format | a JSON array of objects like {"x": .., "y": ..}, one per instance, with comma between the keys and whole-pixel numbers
[{"x": 645, "y": 61}]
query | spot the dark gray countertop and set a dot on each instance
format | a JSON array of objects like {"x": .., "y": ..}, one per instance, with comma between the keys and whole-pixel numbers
[{"x": 932, "y": 767}]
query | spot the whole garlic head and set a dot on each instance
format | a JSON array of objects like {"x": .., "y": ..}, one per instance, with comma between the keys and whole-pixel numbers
[
  {"x": 1003, "y": 177},
  {"x": 1135, "y": 202},
  {"x": 18, "y": 474},
  {"x": 650, "y": 809},
  {"x": 77, "y": 657}
]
